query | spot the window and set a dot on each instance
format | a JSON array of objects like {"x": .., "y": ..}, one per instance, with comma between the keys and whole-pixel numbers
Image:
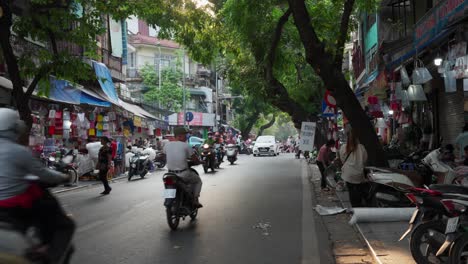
[
  {"x": 403, "y": 17},
  {"x": 132, "y": 60}
]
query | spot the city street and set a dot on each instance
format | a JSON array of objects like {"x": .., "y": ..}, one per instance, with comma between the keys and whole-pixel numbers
[{"x": 253, "y": 213}]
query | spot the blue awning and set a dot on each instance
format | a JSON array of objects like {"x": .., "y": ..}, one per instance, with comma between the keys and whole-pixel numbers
[
  {"x": 64, "y": 91},
  {"x": 411, "y": 53},
  {"x": 105, "y": 80}
]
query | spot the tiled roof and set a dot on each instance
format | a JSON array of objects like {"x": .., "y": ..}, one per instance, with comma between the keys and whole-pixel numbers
[{"x": 141, "y": 39}]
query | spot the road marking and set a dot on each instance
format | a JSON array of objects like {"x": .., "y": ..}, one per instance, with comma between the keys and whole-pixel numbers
[{"x": 310, "y": 249}]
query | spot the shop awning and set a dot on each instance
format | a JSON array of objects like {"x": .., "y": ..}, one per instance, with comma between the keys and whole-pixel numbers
[
  {"x": 68, "y": 92},
  {"x": 136, "y": 110},
  {"x": 364, "y": 87},
  {"x": 105, "y": 81}
]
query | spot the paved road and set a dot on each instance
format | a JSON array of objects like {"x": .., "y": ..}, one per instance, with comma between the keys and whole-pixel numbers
[{"x": 129, "y": 225}]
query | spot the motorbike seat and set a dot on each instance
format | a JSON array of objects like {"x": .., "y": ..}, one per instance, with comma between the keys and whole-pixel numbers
[
  {"x": 449, "y": 188},
  {"x": 170, "y": 174}
]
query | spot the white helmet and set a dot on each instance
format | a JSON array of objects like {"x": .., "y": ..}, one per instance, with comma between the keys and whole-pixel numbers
[{"x": 10, "y": 121}]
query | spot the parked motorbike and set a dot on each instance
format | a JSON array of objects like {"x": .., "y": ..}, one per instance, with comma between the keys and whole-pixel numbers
[
  {"x": 231, "y": 153},
  {"x": 160, "y": 160},
  {"x": 21, "y": 237},
  {"x": 66, "y": 164},
  {"x": 208, "y": 156},
  {"x": 179, "y": 200},
  {"x": 434, "y": 224},
  {"x": 139, "y": 165}
]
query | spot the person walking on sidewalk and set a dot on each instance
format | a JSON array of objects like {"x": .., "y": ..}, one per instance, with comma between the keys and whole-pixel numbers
[
  {"x": 323, "y": 161},
  {"x": 353, "y": 156},
  {"x": 104, "y": 163}
]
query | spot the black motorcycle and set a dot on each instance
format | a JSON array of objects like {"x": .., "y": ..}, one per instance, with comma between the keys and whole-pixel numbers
[
  {"x": 179, "y": 200},
  {"x": 160, "y": 160},
  {"x": 139, "y": 165},
  {"x": 21, "y": 236},
  {"x": 208, "y": 156}
]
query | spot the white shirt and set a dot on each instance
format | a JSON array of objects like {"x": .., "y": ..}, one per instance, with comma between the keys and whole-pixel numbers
[
  {"x": 353, "y": 169},
  {"x": 177, "y": 154}
]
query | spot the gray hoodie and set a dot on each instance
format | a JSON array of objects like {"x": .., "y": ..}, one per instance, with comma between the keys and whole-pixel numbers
[{"x": 17, "y": 161}]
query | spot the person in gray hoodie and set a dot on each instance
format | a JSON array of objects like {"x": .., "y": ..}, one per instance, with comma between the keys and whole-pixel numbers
[{"x": 26, "y": 201}]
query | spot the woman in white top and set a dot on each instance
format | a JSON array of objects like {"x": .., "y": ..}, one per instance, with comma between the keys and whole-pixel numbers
[{"x": 353, "y": 156}]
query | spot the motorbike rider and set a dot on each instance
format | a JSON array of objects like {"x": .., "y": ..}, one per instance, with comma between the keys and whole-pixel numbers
[
  {"x": 211, "y": 142},
  {"x": 177, "y": 153},
  {"x": 27, "y": 202}
]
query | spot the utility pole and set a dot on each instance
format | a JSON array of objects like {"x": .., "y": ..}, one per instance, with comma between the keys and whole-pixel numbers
[
  {"x": 159, "y": 71},
  {"x": 183, "y": 82},
  {"x": 217, "y": 100}
]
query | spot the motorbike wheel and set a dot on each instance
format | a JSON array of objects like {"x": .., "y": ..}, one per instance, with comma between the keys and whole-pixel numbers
[
  {"x": 194, "y": 214},
  {"x": 143, "y": 174},
  {"x": 73, "y": 176},
  {"x": 130, "y": 174},
  {"x": 205, "y": 168},
  {"x": 426, "y": 240},
  {"x": 172, "y": 214},
  {"x": 459, "y": 251},
  {"x": 232, "y": 162},
  {"x": 162, "y": 164}
]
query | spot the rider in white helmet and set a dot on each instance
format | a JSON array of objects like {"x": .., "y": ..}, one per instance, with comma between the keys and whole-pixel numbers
[{"x": 26, "y": 201}]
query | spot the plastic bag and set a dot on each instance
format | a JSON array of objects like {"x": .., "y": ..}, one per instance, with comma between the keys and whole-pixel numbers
[
  {"x": 450, "y": 82},
  {"x": 405, "y": 80},
  {"x": 421, "y": 74}
]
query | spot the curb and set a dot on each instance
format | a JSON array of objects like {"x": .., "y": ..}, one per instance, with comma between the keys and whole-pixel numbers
[
  {"x": 356, "y": 226},
  {"x": 88, "y": 185}
]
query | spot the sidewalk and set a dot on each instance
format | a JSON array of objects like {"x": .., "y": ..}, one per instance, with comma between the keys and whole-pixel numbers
[
  {"x": 347, "y": 246},
  {"x": 381, "y": 238}
]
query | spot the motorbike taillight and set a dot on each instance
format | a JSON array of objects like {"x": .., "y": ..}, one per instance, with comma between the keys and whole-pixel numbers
[{"x": 169, "y": 181}]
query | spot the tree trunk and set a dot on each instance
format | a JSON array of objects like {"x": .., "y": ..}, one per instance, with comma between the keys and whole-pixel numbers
[
  {"x": 19, "y": 100},
  {"x": 323, "y": 64},
  {"x": 245, "y": 131},
  {"x": 267, "y": 125}
]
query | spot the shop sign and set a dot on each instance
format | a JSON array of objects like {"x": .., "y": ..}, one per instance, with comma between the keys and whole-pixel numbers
[{"x": 436, "y": 19}]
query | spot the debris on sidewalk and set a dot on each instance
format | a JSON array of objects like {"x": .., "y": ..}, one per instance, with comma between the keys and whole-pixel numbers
[
  {"x": 264, "y": 227},
  {"x": 375, "y": 215},
  {"x": 322, "y": 210}
]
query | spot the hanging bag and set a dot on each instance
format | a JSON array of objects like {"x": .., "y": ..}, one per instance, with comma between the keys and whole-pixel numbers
[
  {"x": 421, "y": 74},
  {"x": 405, "y": 80}
]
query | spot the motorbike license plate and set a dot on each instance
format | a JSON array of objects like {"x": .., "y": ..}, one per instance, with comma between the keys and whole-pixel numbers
[
  {"x": 413, "y": 218},
  {"x": 170, "y": 193},
  {"x": 452, "y": 224}
]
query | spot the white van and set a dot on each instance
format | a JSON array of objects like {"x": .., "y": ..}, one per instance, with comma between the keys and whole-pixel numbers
[{"x": 266, "y": 145}]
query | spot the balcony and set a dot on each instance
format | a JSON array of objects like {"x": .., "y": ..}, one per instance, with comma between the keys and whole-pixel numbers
[
  {"x": 132, "y": 73},
  {"x": 113, "y": 63},
  {"x": 70, "y": 48}
]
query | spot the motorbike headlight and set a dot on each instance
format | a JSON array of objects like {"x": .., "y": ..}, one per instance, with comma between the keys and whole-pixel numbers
[
  {"x": 133, "y": 165},
  {"x": 272, "y": 146},
  {"x": 209, "y": 153},
  {"x": 206, "y": 146}
]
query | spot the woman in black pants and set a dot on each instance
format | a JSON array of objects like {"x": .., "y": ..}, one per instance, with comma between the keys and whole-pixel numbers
[
  {"x": 353, "y": 156},
  {"x": 104, "y": 163}
]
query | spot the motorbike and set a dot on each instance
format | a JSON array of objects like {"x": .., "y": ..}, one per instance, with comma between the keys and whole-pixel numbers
[
  {"x": 246, "y": 149},
  {"x": 139, "y": 165},
  {"x": 21, "y": 237},
  {"x": 438, "y": 221},
  {"x": 178, "y": 199},
  {"x": 66, "y": 164},
  {"x": 231, "y": 153},
  {"x": 209, "y": 158},
  {"x": 389, "y": 186},
  {"x": 160, "y": 160}
]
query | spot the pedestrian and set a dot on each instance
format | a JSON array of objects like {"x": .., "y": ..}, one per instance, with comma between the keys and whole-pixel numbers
[
  {"x": 323, "y": 161},
  {"x": 462, "y": 141},
  {"x": 353, "y": 157},
  {"x": 104, "y": 163}
]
